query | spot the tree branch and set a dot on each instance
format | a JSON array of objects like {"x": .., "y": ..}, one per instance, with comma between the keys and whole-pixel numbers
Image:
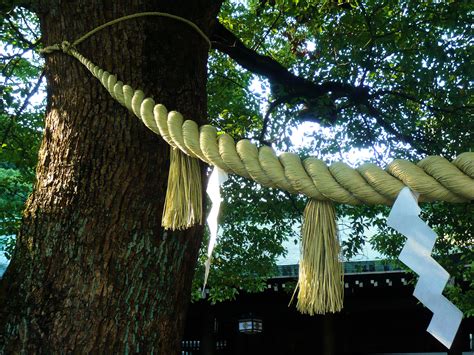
[
  {"x": 259, "y": 43},
  {"x": 297, "y": 87},
  {"x": 20, "y": 110},
  {"x": 385, "y": 124},
  {"x": 416, "y": 100},
  {"x": 21, "y": 37},
  {"x": 272, "y": 107},
  {"x": 226, "y": 42},
  {"x": 27, "y": 24},
  {"x": 236, "y": 83}
]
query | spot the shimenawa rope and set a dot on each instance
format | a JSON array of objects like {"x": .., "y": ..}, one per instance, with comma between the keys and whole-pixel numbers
[{"x": 320, "y": 283}]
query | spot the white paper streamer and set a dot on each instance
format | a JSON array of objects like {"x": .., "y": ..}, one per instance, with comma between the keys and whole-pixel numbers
[
  {"x": 416, "y": 254},
  {"x": 217, "y": 178}
]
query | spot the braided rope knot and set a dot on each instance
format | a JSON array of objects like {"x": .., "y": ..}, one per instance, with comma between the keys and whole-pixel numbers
[
  {"x": 66, "y": 47},
  {"x": 50, "y": 49}
]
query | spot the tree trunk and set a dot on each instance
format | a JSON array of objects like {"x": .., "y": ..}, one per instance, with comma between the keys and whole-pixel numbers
[{"x": 93, "y": 270}]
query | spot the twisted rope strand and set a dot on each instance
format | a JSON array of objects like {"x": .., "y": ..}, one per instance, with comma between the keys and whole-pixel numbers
[
  {"x": 142, "y": 14},
  {"x": 434, "y": 178},
  {"x": 66, "y": 45}
]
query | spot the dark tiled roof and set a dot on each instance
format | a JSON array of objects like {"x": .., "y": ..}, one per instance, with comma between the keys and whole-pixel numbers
[{"x": 350, "y": 267}]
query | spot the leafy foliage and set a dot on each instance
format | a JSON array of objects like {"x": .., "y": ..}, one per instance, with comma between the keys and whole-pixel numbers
[
  {"x": 254, "y": 223},
  {"x": 411, "y": 56},
  {"x": 21, "y": 118},
  {"x": 407, "y": 64},
  {"x": 13, "y": 191}
]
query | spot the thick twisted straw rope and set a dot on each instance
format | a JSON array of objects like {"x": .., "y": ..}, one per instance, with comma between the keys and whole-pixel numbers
[{"x": 434, "y": 177}]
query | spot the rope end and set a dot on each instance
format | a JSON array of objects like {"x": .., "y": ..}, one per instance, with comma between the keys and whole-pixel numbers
[{"x": 320, "y": 284}]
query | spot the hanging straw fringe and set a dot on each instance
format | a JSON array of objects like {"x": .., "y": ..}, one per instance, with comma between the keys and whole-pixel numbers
[
  {"x": 183, "y": 203},
  {"x": 320, "y": 281}
]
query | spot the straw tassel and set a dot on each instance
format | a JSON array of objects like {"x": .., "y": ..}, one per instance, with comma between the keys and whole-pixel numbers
[
  {"x": 183, "y": 203},
  {"x": 320, "y": 281}
]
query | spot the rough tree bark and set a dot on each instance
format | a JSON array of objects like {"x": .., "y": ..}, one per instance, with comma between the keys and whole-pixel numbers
[{"x": 93, "y": 270}]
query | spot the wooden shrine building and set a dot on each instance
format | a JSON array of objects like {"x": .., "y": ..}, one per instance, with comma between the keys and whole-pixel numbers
[{"x": 380, "y": 316}]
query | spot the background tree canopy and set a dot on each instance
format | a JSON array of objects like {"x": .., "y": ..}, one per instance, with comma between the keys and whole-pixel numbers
[{"x": 389, "y": 78}]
